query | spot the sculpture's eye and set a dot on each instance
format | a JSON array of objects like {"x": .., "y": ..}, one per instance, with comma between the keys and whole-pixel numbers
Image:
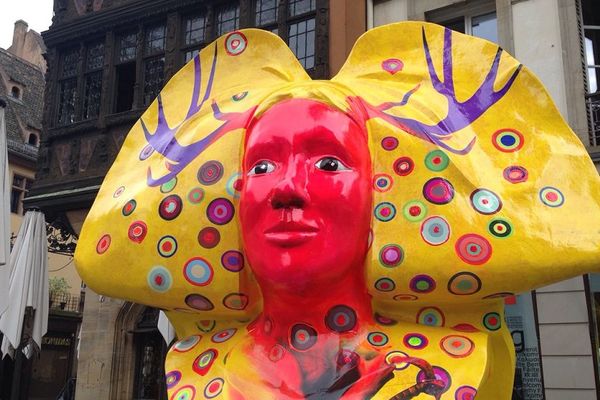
[
  {"x": 331, "y": 164},
  {"x": 262, "y": 167}
]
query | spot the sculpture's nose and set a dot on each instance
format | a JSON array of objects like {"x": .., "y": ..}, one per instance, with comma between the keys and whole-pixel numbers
[{"x": 291, "y": 192}]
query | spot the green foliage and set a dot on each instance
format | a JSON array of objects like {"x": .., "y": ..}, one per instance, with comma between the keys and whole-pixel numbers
[{"x": 58, "y": 285}]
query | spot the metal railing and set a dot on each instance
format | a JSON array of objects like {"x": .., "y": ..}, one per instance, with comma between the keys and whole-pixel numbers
[
  {"x": 593, "y": 105},
  {"x": 60, "y": 301}
]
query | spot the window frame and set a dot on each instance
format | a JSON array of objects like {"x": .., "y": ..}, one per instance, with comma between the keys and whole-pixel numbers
[
  {"x": 87, "y": 72},
  {"x": 466, "y": 12},
  {"x": 151, "y": 55},
  {"x": 22, "y": 190}
]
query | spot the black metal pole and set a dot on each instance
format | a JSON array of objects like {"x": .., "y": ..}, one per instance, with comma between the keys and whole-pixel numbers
[{"x": 15, "y": 391}]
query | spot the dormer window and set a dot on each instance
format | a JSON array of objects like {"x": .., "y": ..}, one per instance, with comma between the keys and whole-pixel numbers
[
  {"x": 32, "y": 140},
  {"x": 15, "y": 92}
]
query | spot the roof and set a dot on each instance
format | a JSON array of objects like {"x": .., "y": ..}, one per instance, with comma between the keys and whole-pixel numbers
[{"x": 25, "y": 113}]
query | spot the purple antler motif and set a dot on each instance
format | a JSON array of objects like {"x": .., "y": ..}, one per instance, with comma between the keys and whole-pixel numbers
[
  {"x": 163, "y": 139},
  {"x": 460, "y": 114}
]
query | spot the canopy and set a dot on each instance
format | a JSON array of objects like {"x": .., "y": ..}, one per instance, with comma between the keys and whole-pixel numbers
[{"x": 28, "y": 283}]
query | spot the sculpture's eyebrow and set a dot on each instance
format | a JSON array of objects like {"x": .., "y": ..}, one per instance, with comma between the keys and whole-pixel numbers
[
  {"x": 260, "y": 150},
  {"x": 325, "y": 142}
]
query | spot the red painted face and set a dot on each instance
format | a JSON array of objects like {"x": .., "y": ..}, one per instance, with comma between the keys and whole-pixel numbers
[{"x": 305, "y": 206}]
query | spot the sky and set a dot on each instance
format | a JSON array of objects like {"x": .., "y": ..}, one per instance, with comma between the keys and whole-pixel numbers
[{"x": 37, "y": 13}]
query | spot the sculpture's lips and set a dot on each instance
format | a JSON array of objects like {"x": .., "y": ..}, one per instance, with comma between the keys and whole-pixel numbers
[{"x": 291, "y": 233}]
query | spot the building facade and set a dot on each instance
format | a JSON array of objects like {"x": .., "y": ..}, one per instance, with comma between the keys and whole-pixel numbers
[
  {"x": 22, "y": 68},
  {"x": 555, "y": 328},
  {"x": 107, "y": 61}
]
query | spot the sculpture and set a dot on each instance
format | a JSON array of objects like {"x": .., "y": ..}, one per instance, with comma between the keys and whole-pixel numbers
[{"x": 383, "y": 215}]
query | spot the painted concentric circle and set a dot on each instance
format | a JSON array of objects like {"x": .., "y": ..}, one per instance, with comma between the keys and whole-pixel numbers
[
  {"x": 405, "y": 297},
  {"x": 146, "y": 152},
  {"x": 435, "y": 231},
  {"x": 404, "y": 166},
  {"x": 137, "y": 231},
  {"x": 385, "y": 211},
  {"x": 500, "y": 228},
  {"x": 195, "y": 195},
  {"x": 465, "y": 393},
  {"x": 551, "y": 196},
  {"x": 437, "y": 160},
  {"x": 415, "y": 341},
  {"x": 169, "y": 185},
  {"x": 206, "y": 325},
  {"x": 377, "y": 338},
  {"x": 170, "y": 207},
  {"x": 220, "y": 211},
  {"x": 103, "y": 244},
  {"x": 187, "y": 344},
  {"x": 204, "y": 361},
  {"x": 347, "y": 358},
  {"x": 236, "y": 301},
  {"x": 167, "y": 246},
  {"x": 198, "y": 302},
  {"x": 422, "y": 284},
  {"x": 391, "y": 255},
  {"x": 385, "y": 285},
  {"x": 473, "y": 249},
  {"x": 438, "y": 191},
  {"x": 303, "y": 337},
  {"x": 239, "y": 96},
  {"x": 464, "y": 283},
  {"x": 492, "y": 321},
  {"x": 382, "y": 182},
  {"x": 172, "y": 378},
  {"x": 431, "y": 316},
  {"x": 159, "y": 279},
  {"x": 129, "y": 208},
  {"x": 276, "y": 353},
  {"x": 198, "y": 271},
  {"x": 120, "y": 190},
  {"x": 224, "y": 335},
  {"x": 214, "y": 388},
  {"x": 209, "y": 237},
  {"x": 485, "y": 201},
  {"x": 210, "y": 172},
  {"x": 397, "y": 359},
  {"x": 415, "y": 211},
  {"x": 440, "y": 374},
  {"x": 340, "y": 319},
  {"x": 233, "y": 186},
  {"x": 508, "y": 140},
  {"x": 187, "y": 392},
  {"x": 457, "y": 346},
  {"x": 232, "y": 260},
  {"x": 235, "y": 43},
  {"x": 515, "y": 174},
  {"x": 392, "y": 65},
  {"x": 389, "y": 143},
  {"x": 385, "y": 321}
]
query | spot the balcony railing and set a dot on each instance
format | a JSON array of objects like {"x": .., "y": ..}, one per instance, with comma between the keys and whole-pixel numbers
[
  {"x": 65, "y": 302},
  {"x": 593, "y": 105}
]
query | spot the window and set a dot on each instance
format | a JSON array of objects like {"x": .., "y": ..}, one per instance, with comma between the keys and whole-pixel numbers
[
  {"x": 125, "y": 71},
  {"x": 32, "y": 139},
  {"x": 20, "y": 186},
  {"x": 194, "y": 35},
  {"x": 477, "y": 19},
  {"x": 301, "y": 31},
  {"x": 266, "y": 15},
  {"x": 154, "y": 62},
  {"x": 591, "y": 33},
  {"x": 228, "y": 18},
  {"x": 93, "y": 80},
  {"x": 68, "y": 88},
  {"x": 15, "y": 92}
]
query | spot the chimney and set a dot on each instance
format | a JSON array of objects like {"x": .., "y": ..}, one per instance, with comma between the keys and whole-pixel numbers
[{"x": 18, "y": 41}]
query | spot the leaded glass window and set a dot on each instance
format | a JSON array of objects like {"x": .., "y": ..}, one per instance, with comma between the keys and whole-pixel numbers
[
  {"x": 266, "y": 12},
  {"x": 228, "y": 19},
  {"x": 127, "y": 47},
  {"x": 195, "y": 27},
  {"x": 301, "y": 39},
  {"x": 67, "y": 101},
  {"x": 92, "y": 93},
  {"x": 299, "y": 7},
  {"x": 155, "y": 39},
  {"x": 154, "y": 75},
  {"x": 95, "y": 56},
  {"x": 69, "y": 64}
]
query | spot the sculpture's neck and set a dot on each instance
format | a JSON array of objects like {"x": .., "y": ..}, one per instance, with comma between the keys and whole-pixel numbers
[{"x": 343, "y": 306}]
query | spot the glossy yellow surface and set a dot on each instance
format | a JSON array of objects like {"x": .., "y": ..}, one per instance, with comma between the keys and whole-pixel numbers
[{"x": 522, "y": 214}]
